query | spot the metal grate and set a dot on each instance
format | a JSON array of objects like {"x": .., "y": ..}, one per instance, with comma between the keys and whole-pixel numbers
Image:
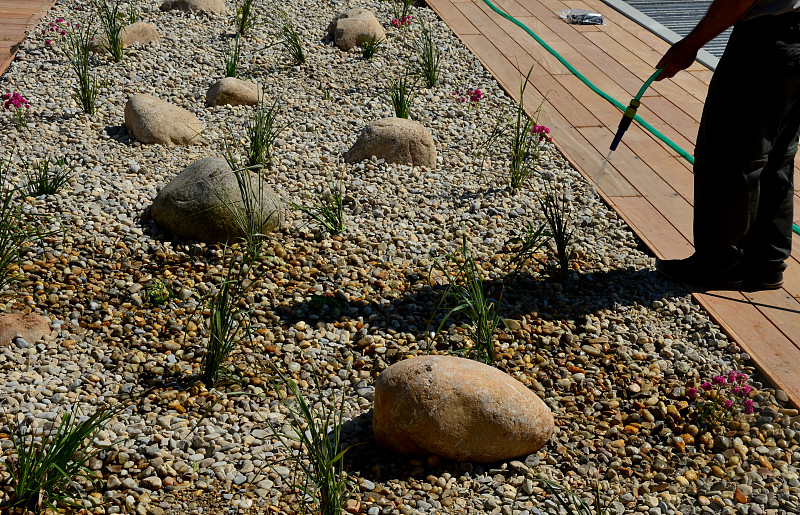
[{"x": 681, "y": 16}]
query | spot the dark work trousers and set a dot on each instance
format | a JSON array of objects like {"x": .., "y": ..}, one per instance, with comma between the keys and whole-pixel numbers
[{"x": 744, "y": 158}]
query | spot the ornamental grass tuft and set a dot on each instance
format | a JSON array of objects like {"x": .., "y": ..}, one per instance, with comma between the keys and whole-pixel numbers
[
  {"x": 465, "y": 294},
  {"x": 44, "y": 467}
]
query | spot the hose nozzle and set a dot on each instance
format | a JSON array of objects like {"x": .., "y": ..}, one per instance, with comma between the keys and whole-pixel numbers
[{"x": 627, "y": 118}]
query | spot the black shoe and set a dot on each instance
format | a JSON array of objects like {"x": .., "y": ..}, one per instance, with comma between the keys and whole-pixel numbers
[
  {"x": 760, "y": 279},
  {"x": 693, "y": 271}
]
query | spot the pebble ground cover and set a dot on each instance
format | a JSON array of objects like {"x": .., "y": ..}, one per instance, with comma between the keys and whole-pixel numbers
[{"x": 614, "y": 356}]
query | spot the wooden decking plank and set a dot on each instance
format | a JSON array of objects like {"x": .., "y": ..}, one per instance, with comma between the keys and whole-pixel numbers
[
  {"x": 773, "y": 353},
  {"x": 545, "y": 11},
  {"x": 782, "y": 309},
  {"x": 459, "y": 23},
  {"x": 651, "y": 226},
  {"x": 791, "y": 276},
  {"x": 570, "y": 108},
  {"x": 670, "y": 114},
  {"x": 608, "y": 180},
  {"x": 662, "y": 160}
]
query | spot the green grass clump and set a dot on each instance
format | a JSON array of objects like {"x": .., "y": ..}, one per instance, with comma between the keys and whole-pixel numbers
[
  {"x": 41, "y": 179},
  {"x": 428, "y": 65},
  {"x": 245, "y": 17},
  {"x": 16, "y": 232},
  {"x": 371, "y": 46},
  {"x": 231, "y": 55},
  {"x": 328, "y": 210},
  {"x": 79, "y": 47},
  {"x": 401, "y": 96},
  {"x": 571, "y": 503},
  {"x": 111, "y": 19},
  {"x": 44, "y": 468},
  {"x": 291, "y": 43},
  {"x": 465, "y": 293},
  {"x": 557, "y": 213},
  {"x": 159, "y": 292},
  {"x": 321, "y": 485}
]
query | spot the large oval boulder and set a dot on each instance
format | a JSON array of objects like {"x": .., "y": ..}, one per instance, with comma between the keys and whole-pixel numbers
[
  {"x": 151, "y": 120},
  {"x": 140, "y": 32},
  {"x": 30, "y": 326},
  {"x": 205, "y": 6},
  {"x": 232, "y": 91},
  {"x": 198, "y": 203},
  {"x": 396, "y": 140},
  {"x": 458, "y": 409},
  {"x": 351, "y": 28}
]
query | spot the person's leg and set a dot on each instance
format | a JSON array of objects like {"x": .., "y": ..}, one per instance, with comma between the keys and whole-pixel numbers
[
  {"x": 769, "y": 242},
  {"x": 743, "y": 161}
]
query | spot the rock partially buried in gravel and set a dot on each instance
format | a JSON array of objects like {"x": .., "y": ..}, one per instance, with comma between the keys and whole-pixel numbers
[
  {"x": 30, "y": 326},
  {"x": 193, "y": 205},
  {"x": 206, "y": 6},
  {"x": 151, "y": 120},
  {"x": 351, "y": 28},
  {"x": 232, "y": 91},
  {"x": 458, "y": 409},
  {"x": 140, "y": 32},
  {"x": 396, "y": 140}
]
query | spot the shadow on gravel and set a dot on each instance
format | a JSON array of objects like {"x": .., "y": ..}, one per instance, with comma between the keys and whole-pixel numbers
[
  {"x": 119, "y": 133},
  {"x": 368, "y": 460},
  {"x": 412, "y": 311}
]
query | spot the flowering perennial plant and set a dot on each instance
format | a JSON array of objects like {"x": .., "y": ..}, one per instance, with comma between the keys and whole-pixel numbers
[
  {"x": 473, "y": 95},
  {"x": 543, "y": 132},
  {"x": 16, "y": 102},
  {"x": 718, "y": 401},
  {"x": 403, "y": 21}
]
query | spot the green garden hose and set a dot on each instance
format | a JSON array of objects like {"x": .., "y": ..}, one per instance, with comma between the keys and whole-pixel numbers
[{"x": 630, "y": 111}]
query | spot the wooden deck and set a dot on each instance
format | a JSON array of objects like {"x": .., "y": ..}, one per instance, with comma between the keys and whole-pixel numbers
[
  {"x": 17, "y": 18},
  {"x": 646, "y": 182}
]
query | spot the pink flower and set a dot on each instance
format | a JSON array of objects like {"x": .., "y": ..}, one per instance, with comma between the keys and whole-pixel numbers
[
  {"x": 748, "y": 406},
  {"x": 475, "y": 95},
  {"x": 47, "y": 42},
  {"x": 736, "y": 389},
  {"x": 706, "y": 386},
  {"x": 728, "y": 403},
  {"x": 59, "y": 20},
  {"x": 692, "y": 392},
  {"x": 742, "y": 378},
  {"x": 746, "y": 390},
  {"x": 718, "y": 380}
]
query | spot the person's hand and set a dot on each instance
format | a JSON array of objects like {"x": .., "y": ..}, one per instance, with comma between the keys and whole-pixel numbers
[{"x": 680, "y": 56}]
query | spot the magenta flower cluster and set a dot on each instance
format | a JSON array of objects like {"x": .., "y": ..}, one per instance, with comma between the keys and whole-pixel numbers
[
  {"x": 399, "y": 23},
  {"x": 57, "y": 28},
  {"x": 473, "y": 95},
  {"x": 15, "y": 100},
  {"x": 543, "y": 133},
  {"x": 721, "y": 398}
]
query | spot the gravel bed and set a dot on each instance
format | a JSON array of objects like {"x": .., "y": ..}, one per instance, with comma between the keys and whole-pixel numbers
[{"x": 612, "y": 356}]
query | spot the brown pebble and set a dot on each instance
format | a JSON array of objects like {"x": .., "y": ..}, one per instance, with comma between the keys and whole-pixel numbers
[
  {"x": 739, "y": 497},
  {"x": 352, "y": 506}
]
